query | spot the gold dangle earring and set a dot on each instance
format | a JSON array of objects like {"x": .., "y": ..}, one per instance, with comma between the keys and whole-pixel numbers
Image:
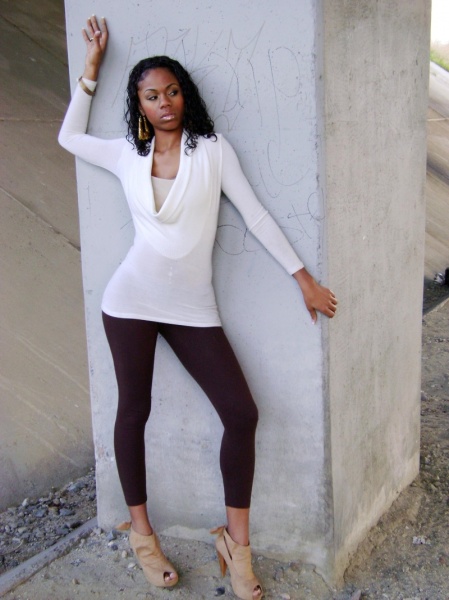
[{"x": 144, "y": 130}]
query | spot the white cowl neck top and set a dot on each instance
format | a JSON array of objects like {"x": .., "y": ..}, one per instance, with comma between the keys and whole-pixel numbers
[{"x": 167, "y": 273}]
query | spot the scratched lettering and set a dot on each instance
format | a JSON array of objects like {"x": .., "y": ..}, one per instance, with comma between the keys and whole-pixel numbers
[{"x": 249, "y": 86}]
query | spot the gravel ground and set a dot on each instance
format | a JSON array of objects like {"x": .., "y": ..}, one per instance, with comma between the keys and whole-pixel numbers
[
  {"x": 434, "y": 294},
  {"x": 405, "y": 557},
  {"x": 38, "y": 523}
]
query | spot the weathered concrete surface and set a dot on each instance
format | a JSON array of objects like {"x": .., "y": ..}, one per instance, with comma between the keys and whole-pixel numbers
[
  {"x": 45, "y": 424},
  {"x": 376, "y": 65},
  {"x": 259, "y": 80},
  {"x": 437, "y": 184}
]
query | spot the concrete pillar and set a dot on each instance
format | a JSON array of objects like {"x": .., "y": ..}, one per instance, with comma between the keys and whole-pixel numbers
[
  {"x": 45, "y": 422},
  {"x": 325, "y": 105},
  {"x": 375, "y": 99}
]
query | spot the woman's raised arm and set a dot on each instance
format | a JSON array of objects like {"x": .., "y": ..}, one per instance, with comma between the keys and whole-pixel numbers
[
  {"x": 96, "y": 38},
  {"x": 101, "y": 152}
]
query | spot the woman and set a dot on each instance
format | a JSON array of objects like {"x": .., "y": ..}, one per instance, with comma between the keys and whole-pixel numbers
[{"x": 173, "y": 167}]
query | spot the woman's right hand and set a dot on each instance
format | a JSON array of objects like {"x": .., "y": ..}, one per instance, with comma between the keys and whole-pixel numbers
[{"x": 96, "y": 38}]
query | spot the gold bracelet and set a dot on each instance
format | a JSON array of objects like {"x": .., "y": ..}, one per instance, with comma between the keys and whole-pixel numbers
[{"x": 84, "y": 87}]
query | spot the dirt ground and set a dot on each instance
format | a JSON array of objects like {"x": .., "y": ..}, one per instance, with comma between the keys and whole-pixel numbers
[{"x": 405, "y": 557}]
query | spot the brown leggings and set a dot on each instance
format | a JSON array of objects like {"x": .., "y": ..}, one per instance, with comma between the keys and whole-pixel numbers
[{"x": 207, "y": 355}]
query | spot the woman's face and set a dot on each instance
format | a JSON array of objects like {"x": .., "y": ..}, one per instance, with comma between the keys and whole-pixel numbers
[{"x": 161, "y": 100}]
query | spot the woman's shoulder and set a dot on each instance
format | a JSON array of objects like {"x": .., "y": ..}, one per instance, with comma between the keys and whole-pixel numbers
[
  {"x": 217, "y": 145},
  {"x": 210, "y": 143}
]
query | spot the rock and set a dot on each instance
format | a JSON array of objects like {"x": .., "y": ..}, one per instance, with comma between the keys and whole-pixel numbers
[
  {"x": 74, "y": 524},
  {"x": 40, "y": 514},
  {"x": 220, "y": 591},
  {"x": 124, "y": 554},
  {"x": 279, "y": 574},
  {"x": 112, "y": 546},
  {"x": 25, "y": 502},
  {"x": 62, "y": 530},
  {"x": 112, "y": 535},
  {"x": 77, "y": 562},
  {"x": 131, "y": 565},
  {"x": 76, "y": 487},
  {"x": 66, "y": 512},
  {"x": 421, "y": 539},
  {"x": 356, "y": 595}
]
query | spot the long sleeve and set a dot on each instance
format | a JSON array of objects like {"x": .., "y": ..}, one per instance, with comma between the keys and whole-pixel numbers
[
  {"x": 236, "y": 187},
  {"x": 73, "y": 136}
]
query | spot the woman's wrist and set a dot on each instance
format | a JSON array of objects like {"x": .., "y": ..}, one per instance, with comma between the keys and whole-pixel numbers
[
  {"x": 303, "y": 278},
  {"x": 90, "y": 73}
]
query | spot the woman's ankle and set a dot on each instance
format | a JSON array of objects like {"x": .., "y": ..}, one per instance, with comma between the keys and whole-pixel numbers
[
  {"x": 238, "y": 525},
  {"x": 139, "y": 519},
  {"x": 142, "y": 529}
]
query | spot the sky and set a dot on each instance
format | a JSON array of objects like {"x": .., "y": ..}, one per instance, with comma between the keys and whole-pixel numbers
[{"x": 440, "y": 21}]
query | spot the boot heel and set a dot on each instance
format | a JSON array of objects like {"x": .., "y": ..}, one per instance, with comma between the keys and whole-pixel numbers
[
  {"x": 238, "y": 559},
  {"x": 222, "y": 562}
]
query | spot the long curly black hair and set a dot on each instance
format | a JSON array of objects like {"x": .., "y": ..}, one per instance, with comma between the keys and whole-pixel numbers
[{"x": 196, "y": 118}]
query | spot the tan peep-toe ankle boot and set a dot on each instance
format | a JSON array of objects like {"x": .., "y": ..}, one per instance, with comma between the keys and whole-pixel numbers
[
  {"x": 154, "y": 563},
  {"x": 238, "y": 559}
]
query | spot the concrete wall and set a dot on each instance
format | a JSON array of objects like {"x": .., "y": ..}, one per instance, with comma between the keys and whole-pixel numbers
[
  {"x": 333, "y": 450},
  {"x": 45, "y": 422},
  {"x": 375, "y": 89},
  {"x": 259, "y": 81}
]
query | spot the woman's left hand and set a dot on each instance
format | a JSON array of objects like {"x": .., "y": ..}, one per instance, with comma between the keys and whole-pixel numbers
[
  {"x": 316, "y": 297},
  {"x": 96, "y": 37}
]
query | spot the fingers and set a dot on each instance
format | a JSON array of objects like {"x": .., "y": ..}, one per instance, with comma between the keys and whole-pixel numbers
[
  {"x": 330, "y": 304},
  {"x": 330, "y": 312},
  {"x": 316, "y": 297},
  {"x": 325, "y": 303},
  {"x": 331, "y": 307},
  {"x": 92, "y": 27},
  {"x": 85, "y": 36},
  {"x": 95, "y": 32}
]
